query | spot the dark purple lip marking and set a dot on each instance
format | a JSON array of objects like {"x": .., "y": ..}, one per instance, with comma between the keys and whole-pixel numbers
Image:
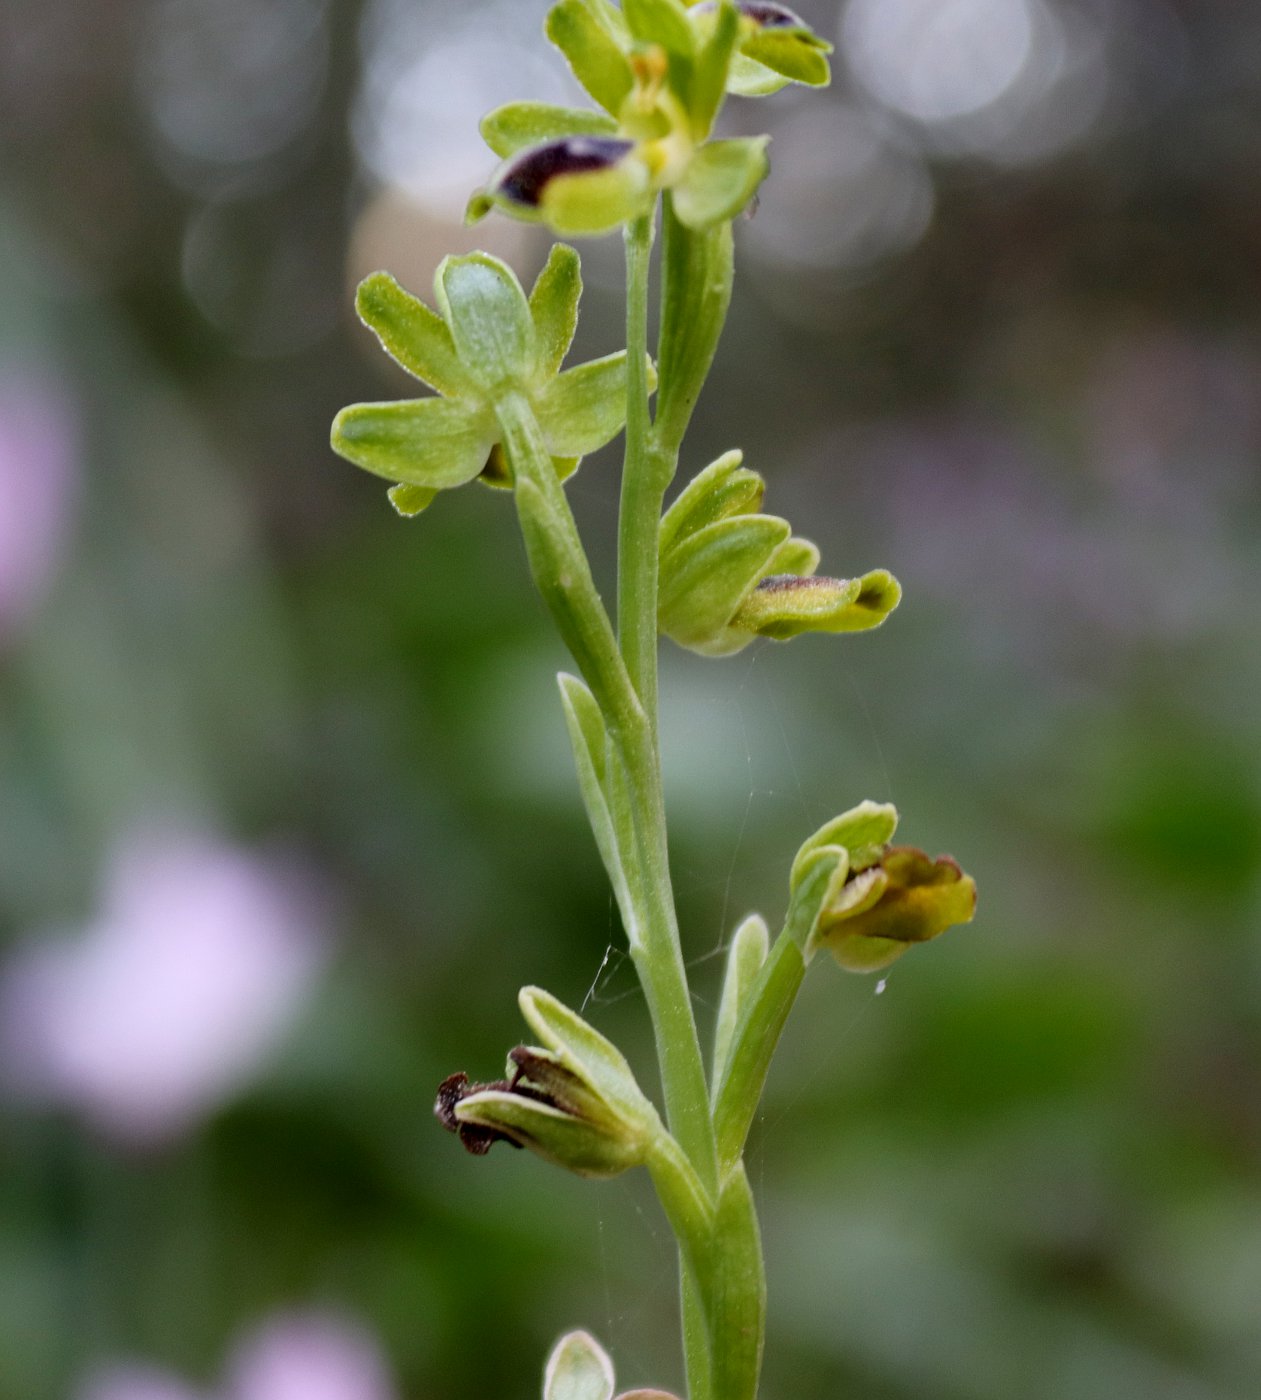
[
  {"x": 764, "y": 13},
  {"x": 526, "y": 176}
]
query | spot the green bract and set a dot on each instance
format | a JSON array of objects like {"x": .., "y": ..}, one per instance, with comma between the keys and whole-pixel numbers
[
  {"x": 485, "y": 341},
  {"x": 660, "y": 71},
  {"x": 729, "y": 574}
]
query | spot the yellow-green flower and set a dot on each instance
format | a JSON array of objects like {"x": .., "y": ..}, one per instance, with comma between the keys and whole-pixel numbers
[
  {"x": 486, "y": 340},
  {"x": 879, "y": 899},
  {"x": 659, "y": 71}
]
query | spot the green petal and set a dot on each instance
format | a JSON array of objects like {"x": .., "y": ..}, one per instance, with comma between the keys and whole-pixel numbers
[
  {"x": 723, "y": 489},
  {"x": 411, "y": 334},
  {"x": 585, "y": 407},
  {"x": 411, "y": 500},
  {"x": 748, "y": 78},
  {"x": 796, "y": 54},
  {"x": 795, "y": 556},
  {"x": 483, "y": 304},
  {"x": 520, "y": 125},
  {"x": 597, "y": 201},
  {"x": 554, "y": 307},
  {"x": 721, "y": 179},
  {"x": 435, "y": 443},
  {"x": 706, "y": 576},
  {"x": 591, "y": 35},
  {"x": 713, "y": 66}
]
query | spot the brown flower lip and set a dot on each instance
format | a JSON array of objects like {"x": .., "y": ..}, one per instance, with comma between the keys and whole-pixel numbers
[
  {"x": 524, "y": 178},
  {"x": 475, "y": 1137},
  {"x": 456, "y": 1087}
]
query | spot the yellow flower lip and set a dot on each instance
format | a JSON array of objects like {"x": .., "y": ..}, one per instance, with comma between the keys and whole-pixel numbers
[{"x": 905, "y": 897}]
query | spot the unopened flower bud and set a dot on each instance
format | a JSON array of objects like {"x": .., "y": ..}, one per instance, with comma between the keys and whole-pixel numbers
[
  {"x": 730, "y": 574},
  {"x": 579, "y": 1368}
]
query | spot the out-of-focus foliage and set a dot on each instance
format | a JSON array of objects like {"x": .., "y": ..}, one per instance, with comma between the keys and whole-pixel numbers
[{"x": 997, "y": 325}]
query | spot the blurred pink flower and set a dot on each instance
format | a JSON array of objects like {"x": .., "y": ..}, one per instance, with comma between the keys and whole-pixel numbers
[
  {"x": 201, "y": 957},
  {"x": 315, "y": 1355},
  {"x": 308, "y": 1356},
  {"x": 135, "y": 1383},
  {"x": 38, "y": 478}
]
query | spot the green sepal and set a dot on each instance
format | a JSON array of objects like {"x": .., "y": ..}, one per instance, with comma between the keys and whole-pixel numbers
[
  {"x": 414, "y": 336},
  {"x": 797, "y": 54},
  {"x": 663, "y": 22},
  {"x": 713, "y": 67},
  {"x": 748, "y": 78},
  {"x": 696, "y": 271},
  {"x": 483, "y": 304},
  {"x": 410, "y": 500},
  {"x": 784, "y": 606},
  {"x": 723, "y": 489},
  {"x": 707, "y": 575},
  {"x": 585, "y": 407},
  {"x": 720, "y": 180},
  {"x": 595, "y": 201},
  {"x": 517, "y": 126},
  {"x": 578, "y": 1369},
  {"x": 434, "y": 443},
  {"x": 555, "y": 558},
  {"x": 582, "y": 1050},
  {"x": 554, "y": 302},
  {"x": 864, "y": 831},
  {"x": 591, "y": 34},
  {"x": 749, "y": 946}
]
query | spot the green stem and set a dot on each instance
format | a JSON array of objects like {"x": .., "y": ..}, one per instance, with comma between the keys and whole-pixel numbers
[
  {"x": 563, "y": 577},
  {"x": 559, "y": 564},
  {"x": 642, "y": 491}
]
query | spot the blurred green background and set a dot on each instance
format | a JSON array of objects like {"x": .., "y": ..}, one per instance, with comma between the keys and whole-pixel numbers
[{"x": 286, "y": 810}]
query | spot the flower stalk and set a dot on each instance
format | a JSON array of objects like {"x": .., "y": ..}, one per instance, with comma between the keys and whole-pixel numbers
[{"x": 713, "y": 573}]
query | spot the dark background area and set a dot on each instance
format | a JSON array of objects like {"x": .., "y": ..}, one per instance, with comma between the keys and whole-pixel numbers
[{"x": 286, "y": 809}]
